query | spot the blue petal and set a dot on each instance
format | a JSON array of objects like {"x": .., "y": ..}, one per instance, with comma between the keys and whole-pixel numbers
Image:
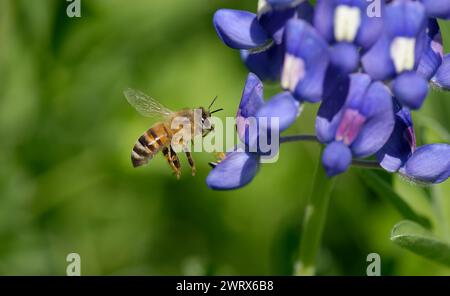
[
  {"x": 274, "y": 21},
  {"x": 377, "y": 61},
  {"x": 324, "y": 18},
  {"x": 437, "y": 8},
  {"x": 442, "y": 77},
  {"x": 401, "y": 144},
  {"x": 359, "y": 84},
  {"x": 356, "y": 110},
  {"x": 433, "y": 53},
  {"x": 282, "y": 106},
  {"x": 239, "y": 29},
  {"x": 410, "y": 89},
  {"x": 235, "y": 171},
  {"x": 428, "y": 164},
  {"x": 336, "y": 158},
  {"x": 266, "y": 64},
  {"x": 330, "y": 111},
  {"x": 371, "y": 26},
  {"x": 378, "y": 109},
  {"x": 305, "y": 11},
  {"x": 305, "y": 62},
  {"x": 252, "y": 96},
  {"x": 274, "y": 18},
  {"x": 345, "y": 56},
  {"x": 405, "y": 18},
  {"x": 279, "y": 4},
  {"x": 252, "y": 99}
]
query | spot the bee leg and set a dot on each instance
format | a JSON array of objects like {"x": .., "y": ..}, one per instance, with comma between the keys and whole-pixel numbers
[
  {"x": 191, "y": 161},
  {"x": 220, "y": 156},
  {"x": 176, "y": 162},
  {"x": 168, "y": 157}
]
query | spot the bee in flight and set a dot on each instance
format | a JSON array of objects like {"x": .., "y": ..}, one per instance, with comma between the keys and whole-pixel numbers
[{"x": 159, "y": 136}]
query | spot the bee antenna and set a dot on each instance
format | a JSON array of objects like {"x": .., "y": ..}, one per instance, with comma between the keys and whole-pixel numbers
[
  {"x": 216, "y": 111},
  {"x": 212, "y": 103}
]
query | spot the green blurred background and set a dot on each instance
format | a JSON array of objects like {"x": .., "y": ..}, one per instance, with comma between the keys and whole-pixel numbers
[{"x": 67, "y": 184}]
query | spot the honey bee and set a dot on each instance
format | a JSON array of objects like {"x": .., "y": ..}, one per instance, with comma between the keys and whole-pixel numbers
[{"x": 159, "y": 136}]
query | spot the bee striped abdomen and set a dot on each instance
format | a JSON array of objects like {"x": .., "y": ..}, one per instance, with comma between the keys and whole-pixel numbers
[{"x": 149, "y": 144}]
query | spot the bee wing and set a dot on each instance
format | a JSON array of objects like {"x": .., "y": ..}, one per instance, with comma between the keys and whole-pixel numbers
[{"x": 145, "y": 104}]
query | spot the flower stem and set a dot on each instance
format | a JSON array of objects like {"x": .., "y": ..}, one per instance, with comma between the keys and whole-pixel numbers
[
  {"x": 366, "y": 164},
  {"x": 314, "y": 221},
  {"x": 316, "y": 208},
  {"x": 297, "y": 138}
]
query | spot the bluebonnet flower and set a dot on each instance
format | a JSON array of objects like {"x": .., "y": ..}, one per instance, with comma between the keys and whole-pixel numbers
[
  {"x": 397, "y": 53},
  {"x": 349, "y": 28},
  {"x": 305, "y": 62},
  {"x": 426, "y": 164},
  {"x": 259, "y": 36},
  {"x": 240, "y": 166},
  {"x": 367, "y": 71},
  {"x": 355, "y": 120}
]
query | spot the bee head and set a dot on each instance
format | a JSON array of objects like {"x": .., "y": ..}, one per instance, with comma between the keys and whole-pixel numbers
[{"x": 207, "y": 126}]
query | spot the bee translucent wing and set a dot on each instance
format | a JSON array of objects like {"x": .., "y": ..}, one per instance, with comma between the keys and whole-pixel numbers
[{"x": 146, "y": 105}]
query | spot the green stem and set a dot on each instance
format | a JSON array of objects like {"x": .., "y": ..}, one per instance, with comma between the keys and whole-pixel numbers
[
  {"x": 316, "y": 208},
  {"x": 314, "y": 221},
  {"x": 297, "y": 138},
  {"x": 366, "y": 164}
]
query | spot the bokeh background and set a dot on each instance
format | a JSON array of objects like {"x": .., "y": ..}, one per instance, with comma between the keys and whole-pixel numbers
[{"x": 66, "y": 132}]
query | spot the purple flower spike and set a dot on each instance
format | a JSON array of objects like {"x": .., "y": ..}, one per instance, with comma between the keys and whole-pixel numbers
[
  {"x": 429, "y": 164},
  {"x": 305, "y": 62},
  {"x": 442, "y": 77},
  {"x": 369, "y": 63},
  {"x": 235, "y": 171}
]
